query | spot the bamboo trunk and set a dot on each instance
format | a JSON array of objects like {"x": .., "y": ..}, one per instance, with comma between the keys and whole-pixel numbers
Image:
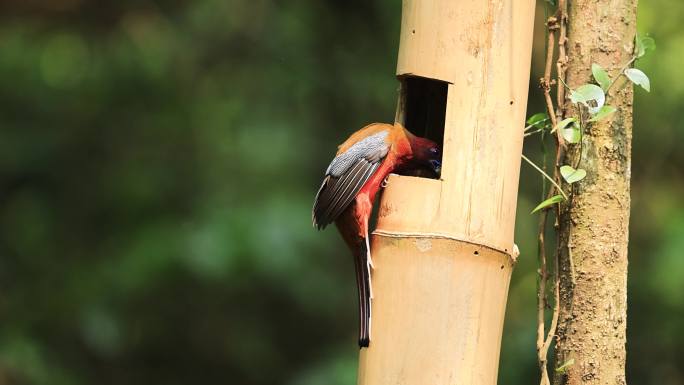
[
  {"x": 443, "y": 249},
  {"x": 594, "y": 230}
]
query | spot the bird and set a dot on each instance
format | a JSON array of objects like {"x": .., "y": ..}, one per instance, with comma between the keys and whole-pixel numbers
[{"x": 352, "y": 180}]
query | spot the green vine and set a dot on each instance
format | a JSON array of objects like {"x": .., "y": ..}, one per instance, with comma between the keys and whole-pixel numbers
[
  {"x": 590, "y": 101},
  {"x": 590, "y": 107}
]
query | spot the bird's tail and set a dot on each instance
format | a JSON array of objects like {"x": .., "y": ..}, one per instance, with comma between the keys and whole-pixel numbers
[{"x": 362, "y": 266}]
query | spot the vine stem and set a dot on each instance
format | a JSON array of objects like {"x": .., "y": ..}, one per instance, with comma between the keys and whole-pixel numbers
[
  {"x": 541, "y": 300},
  {"x": 558, "y": 22},
  {"x": 533, "y": 132},
  {"x": 534, "y": 124},
  {"x": 621, "y": 73},
  {"x": 546, "y": 176},
  {"x": 552, "y": 25},
  {"x": 561, "y": 63}
]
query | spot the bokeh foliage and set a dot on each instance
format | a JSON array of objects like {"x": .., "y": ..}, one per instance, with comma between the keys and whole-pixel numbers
[{"x": 159, "y": 161}]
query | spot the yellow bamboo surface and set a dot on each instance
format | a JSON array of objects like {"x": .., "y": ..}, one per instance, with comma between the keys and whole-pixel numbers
[
  {"x": 438, "y": 312},
  {"x": 482, "y": 48},
  {"x": 443, "y": 249}
]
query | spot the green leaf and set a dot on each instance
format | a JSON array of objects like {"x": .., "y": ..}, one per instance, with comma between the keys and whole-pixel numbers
[
  {"x": 551, "y": 201},
  {"x": 603, "y": 113},
  {"x": 572, "y": 135},
  {"x": 639, "y": 78},
  {"x": 565, "y": 366},
  {"x": 538, "y": 120},
  {"x": 590, "y": 95},
  {"x": 571, "y": 175},
  {"x": 644, "y": 44},
  {"x": 563, "y": 123},
  {"x": 569, "y": 129},
  {"x": 639, "y": 46},
  {"x": 601, "y": 76},
  {"x": 648, "y": 43}
]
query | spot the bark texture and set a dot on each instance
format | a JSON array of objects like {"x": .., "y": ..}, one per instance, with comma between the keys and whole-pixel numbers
[{"x": 594, "y": 229}]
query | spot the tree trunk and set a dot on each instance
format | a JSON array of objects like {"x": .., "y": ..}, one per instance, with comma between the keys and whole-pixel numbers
[{"x": 594, "y": 226}]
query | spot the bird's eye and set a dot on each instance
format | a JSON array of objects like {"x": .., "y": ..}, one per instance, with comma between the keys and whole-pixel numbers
[{"x": 434, "y": 150}]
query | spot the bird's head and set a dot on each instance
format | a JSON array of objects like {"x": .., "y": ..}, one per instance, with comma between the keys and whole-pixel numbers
[{"x": 427, "y": 153}]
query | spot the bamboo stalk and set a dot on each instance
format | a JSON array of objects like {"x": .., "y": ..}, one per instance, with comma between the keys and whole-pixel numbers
[{"x": 443, "y": 249}]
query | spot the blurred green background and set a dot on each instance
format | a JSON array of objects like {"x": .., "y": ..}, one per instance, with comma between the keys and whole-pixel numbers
[{"x": 158, "y": 164}]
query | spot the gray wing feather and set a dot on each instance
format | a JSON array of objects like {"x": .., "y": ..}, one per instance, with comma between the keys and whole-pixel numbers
[
  {"x": 341, "y": 189},
  {"x": 372, "y": 148},
  {"x": 369, "y": 170},
  {"x": 346, "y": 175}
]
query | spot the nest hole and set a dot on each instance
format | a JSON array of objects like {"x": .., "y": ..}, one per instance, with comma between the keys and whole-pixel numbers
[{"x": 424, "y": 104}]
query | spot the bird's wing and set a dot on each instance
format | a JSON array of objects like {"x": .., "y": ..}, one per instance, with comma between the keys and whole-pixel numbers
[{"x": 346, "y": 175}]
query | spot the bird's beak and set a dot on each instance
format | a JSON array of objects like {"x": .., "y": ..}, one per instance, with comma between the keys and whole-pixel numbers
[{"x": 436, "y": 166}]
